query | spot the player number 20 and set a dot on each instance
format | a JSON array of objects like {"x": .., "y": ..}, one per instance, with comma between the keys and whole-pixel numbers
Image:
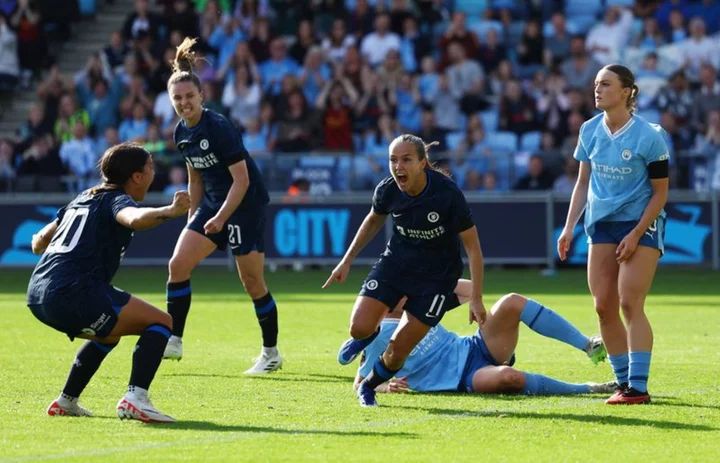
[
  {"x": 73, "y": 221},
  {"x": 234, "y": 234}
]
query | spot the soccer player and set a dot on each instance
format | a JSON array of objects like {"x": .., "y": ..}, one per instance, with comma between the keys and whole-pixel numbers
[
  {"x": 421, "y": 261},
  {"x": 228, "y": 199},
  {"x": 70, "y": 287},
  {"x": 624, "y": 162},
  {"x": 444, "y": 361}
]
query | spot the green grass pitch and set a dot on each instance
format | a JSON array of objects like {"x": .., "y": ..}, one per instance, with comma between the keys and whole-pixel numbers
[{"x": 308, "y": 412}]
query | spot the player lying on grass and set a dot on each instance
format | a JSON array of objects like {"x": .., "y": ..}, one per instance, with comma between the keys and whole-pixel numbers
[{"x": 482, "y": 363}]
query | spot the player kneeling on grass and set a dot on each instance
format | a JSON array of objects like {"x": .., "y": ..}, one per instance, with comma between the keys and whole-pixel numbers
[
  {"x": 70, "y": 287},
  {"x": 482, "y": 363}
]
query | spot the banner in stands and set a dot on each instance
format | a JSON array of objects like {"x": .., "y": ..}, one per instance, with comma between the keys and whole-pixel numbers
[
  {"x": 688, "y": 233},
  {"x": 513, "y": 232}
]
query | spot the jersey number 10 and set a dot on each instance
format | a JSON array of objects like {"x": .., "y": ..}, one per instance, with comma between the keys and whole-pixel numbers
[{"x": 61, "y": 243}]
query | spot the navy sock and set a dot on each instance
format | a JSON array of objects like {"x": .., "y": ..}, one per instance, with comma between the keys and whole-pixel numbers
[
  {"x": 267, "y": 315},
  {"x": 544, "y": 321},
  {"x": 379, "y": 374},
  {"x": 86, "y": 363},
  {"x": 179, "y": 295},
  {"x": 148, "y": 355},
  {"x": 620, "y": 365},
  {"x": 542, "y": 385},
  {"x": 639, "y": 370}
]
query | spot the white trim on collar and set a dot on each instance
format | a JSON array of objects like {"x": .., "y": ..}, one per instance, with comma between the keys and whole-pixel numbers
[{"x": 622, "y": 130}]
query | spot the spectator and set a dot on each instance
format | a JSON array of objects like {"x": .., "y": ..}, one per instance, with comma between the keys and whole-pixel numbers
[
  {"x": 414, "y": 46},
  {"x": 79, "y": 157},
  {"x": 362, "y": 19},
  {"x": 108, "y": 139},
  {"x": 699, "y": 49},
  {"x": 313, "y": 75},
  {"x": 537, "y": 178},
  {"x": 242, "y": 57},
  {"x": 336, "y": 44},
  {"x": 376, "y": 45},
  {"x": 605, "y": 40},
  {"x": 677, "y": 32},
  {"x": 490, "y": 182},
  {"x": 649, "y": 67},
  {"x": 298, "y": 130},
  {"x": 7, "y": 172},
  {"x": 466, "y": 78},
  {"x": 391, "y": 69},
  {"x": 102, "y": 104},
  {"x": 40, "y": 159},
  {"x": 224, "y": 39},
  {"x": 211, "y": 100},
  {"x": 34, "y": 127},
  {"x": 154, "y": 144},
  {"x": 518, "y": 111},
  {"x": 405, "y": 97},
  {"x": 677, "y": 98},
  {"x": 260, "y": 40},
  {"x": 113, "y": 55},
  {"x": 580, "y": 70},
  {"x": 650, "y": 37},
  {"x": 255, "y": 141},
  {"x": 68, "y": 115},
  {"x": 183, "y": 18},
  {"x": 371, "y": 105},
  {"x": 457, "y": 32},
  {"x": 707, "y": 98},
  {"x": 430, "y": 132},
  {"x": 142, "y": 20},
  {"x": 429, "y": 80},
  {"x": 325, "y": 12},
  {"x": 553, "y": 106},
  {"x": 575, "y": 121},
  {"x": 136, "y": 94},
  {"x": 178, "y": 181},
  {"x": 32, "y": 47},
  {"x": 304, "y": 40},
  {"x": 288, "y": 14},
  {"x": 491, "y": 52},
  {"x": 247, "y": 11},
  {"x": 336, "y": 101},
  {"x": 9, "y": 64},
  {"x": 446, "y": 108},
  {"x": 566, "y": 182},
  {"x": 557, "y": 45},
  {"x": 242, "y": 97},
  {"x": 268, "y": 127},
  {"x": 136, "y": 127},
  {"x": 278, "y": 66},
  {"x": 531, "y": 49}
]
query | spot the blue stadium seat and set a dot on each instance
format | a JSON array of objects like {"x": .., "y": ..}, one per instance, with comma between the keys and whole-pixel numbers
[
  {"x": 575, "y": 8},
  {"x": 454, "y": 139},
  {"x": 507, "y": 141},
  {"x": 515, "y": 32},
  {"x": 580, "y": 25},
  {"x": 474, "y": 8},
  {"x": 489, "y": 119},
  {"x": 625, "y": 3},
  {"x": 530, "y": 141}
]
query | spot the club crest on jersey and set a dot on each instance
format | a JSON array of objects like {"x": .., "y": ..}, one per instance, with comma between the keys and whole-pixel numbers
[
  {"x": 626, "y": 155},
  {"x": 433, "y": 217},
  {"x": 204, "y": 144},
  {"x": 371, "y": 285}
]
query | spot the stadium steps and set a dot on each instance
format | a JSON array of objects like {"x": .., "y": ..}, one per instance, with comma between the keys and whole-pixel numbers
[{"x": 89, "y": 36}]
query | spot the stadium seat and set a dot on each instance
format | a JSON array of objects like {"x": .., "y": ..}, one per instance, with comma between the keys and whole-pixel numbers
[
  {"x": 625, "y": 3},
  {"x": 530, "y": 141},
  {"x": 489, "y": 119},
  {"x": 502, "y": 140},
  {"x": 472, "y": 8},
  {"x": 581, "y": 24},
  {"x": 482, "y": 27},
  {"x": 454, "y": 139},
  {"x": 576, "y": 8}
]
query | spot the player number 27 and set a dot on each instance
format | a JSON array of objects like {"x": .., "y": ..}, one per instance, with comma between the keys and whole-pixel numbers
[
  {"x": 234, "y": 236},
  {"x": 61, "y": 243}
]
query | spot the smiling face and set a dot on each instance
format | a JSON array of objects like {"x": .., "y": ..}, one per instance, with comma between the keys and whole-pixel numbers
[
  {"x": 609, "y": 92},
  {"x": 187, "y": 101},
  {"x": 406, "y": 167}
]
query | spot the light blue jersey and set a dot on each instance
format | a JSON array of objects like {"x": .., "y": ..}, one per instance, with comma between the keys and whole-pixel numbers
[
  {"x": 436, "y": 363},
  {"x": 620, "y": 187}
]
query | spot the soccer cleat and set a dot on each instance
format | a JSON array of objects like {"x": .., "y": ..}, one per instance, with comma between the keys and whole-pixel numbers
[
  {"x": 630, "y": 396},
  {"x": 366, "y": 396},
  {"x": 265, "y": 364},
  {"x": 174, "y": 349},
  {"x": 350, "y": 350},
  {"x": 595, "y": 349},
  {"x": 604, "y": 388},
  {"x": 73, "y": 409},
  {"x": 138, "y": 407}
]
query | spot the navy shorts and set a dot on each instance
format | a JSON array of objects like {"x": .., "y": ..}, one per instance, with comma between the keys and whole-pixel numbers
[
  {"x": 429, "y": 307},
  {"x": 90, "y": 308},
  {"x": 478, "y": 357},
  {"x": 244, "y": 230},
  {"x": 614, "y": 232}
]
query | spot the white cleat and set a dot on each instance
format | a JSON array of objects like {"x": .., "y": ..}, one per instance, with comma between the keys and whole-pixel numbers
[
  {"x": 266, "y": 364},
  {"x": 67, "y": 409},
  {"x": 603, "y": 388},
  {"x": 137, "y": 406},
  {"x": 174, "y": 349}
]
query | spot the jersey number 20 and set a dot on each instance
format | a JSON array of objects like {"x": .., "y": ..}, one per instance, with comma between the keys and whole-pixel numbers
[{"x": 61, "y": 243}]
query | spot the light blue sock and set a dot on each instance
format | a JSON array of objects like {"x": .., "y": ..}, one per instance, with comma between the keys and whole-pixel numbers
[
  {"x": 544, "y": 321},
  {"x": 542, "y": 385},
  {"x": 639, "y": 370},
  {"x": 620, "y": 366}
]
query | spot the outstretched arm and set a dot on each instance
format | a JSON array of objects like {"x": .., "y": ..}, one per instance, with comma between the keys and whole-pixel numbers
[{"x": 144, "y": 218}]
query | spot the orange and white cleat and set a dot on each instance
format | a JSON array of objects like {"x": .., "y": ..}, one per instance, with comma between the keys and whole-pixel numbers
[{"x": 137, "y": 406}]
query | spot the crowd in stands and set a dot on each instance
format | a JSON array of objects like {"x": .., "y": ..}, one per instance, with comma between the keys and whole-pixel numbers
[{"x": 503, "y": 86}]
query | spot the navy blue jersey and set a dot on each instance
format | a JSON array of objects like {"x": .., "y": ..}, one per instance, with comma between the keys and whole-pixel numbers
[
  {"x": 88, "y": 245},
  {"x": 425, "y": 244},
  {"x": 210, "y": 147}
]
